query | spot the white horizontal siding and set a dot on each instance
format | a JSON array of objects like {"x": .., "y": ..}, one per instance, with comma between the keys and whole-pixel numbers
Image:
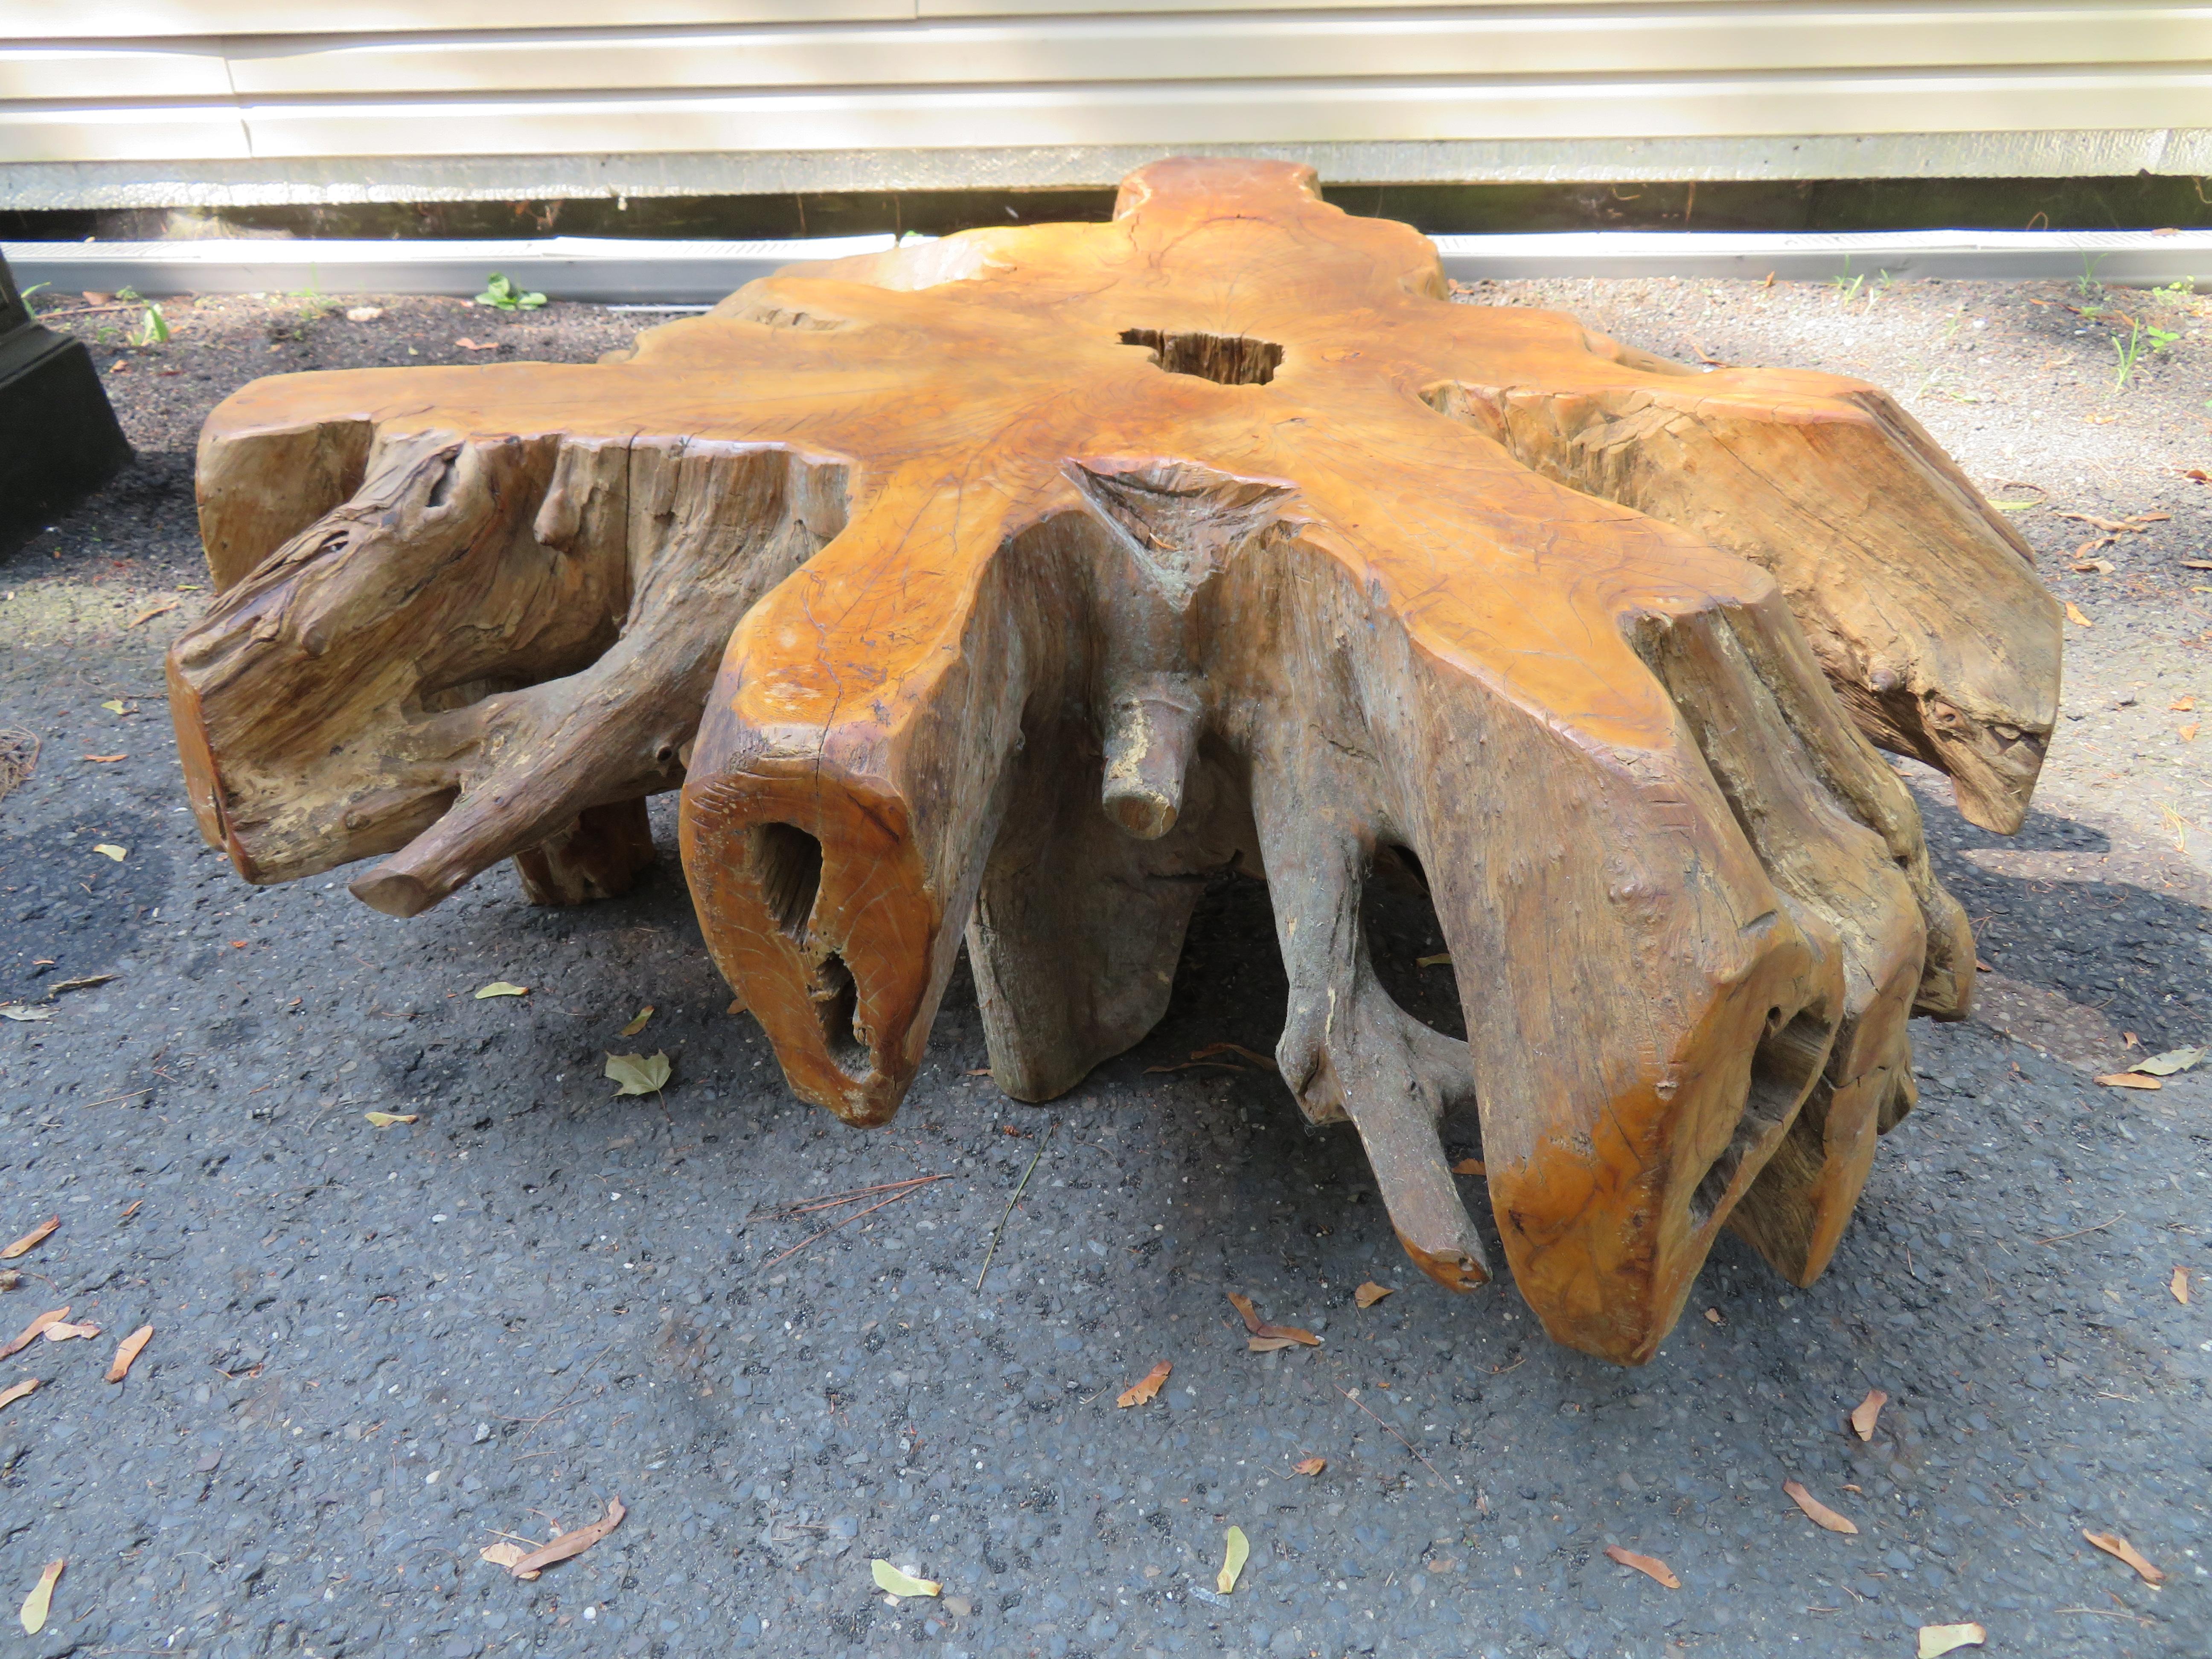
[
  {"x": 1234, "y": 112},
  {"x": 1073, "y": 50},
  {"x": 467, "y": 78},
  {"x": 118, "y": 20}
]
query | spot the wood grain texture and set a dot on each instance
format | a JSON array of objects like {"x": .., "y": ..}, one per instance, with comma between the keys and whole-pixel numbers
[{"x": 1007, "y": 587}]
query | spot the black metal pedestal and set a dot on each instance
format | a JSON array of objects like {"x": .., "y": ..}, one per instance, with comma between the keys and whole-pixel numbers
[{"x": 58, "y": 437}]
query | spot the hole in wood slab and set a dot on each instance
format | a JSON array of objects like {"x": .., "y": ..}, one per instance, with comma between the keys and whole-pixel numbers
[
  {"x": 787, "y": 866},
  {"x": 1402, "y": 933},
  {"x": 838, "y": 1005},
  {"x": 1782, "y": 1069},
  {"x": 1225, "y": 359}
]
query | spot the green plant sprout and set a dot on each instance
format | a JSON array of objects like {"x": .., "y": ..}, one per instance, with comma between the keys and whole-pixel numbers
[
  {"x": 2142, "y": 337},
  {"x": 153, "y": 328},
  {"x": 502, "y": 293},
  {"x": 2086, "y": 283}
]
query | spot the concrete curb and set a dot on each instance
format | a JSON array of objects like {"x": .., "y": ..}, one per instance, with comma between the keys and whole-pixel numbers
[{"x": 616, "y": 272}]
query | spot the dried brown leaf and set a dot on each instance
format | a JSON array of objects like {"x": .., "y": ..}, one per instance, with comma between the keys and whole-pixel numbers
[
  {"x": 2113, "y": 1545},
  {"x": 32, "y": 1330},
  {"x": 571, "y": 1543},
  {"x": 1311, "y": 1465},
  {"x": 1817, "y": 1512},
  {"x": 1370, "y": 1293},
  {"x": 2129, "y": 1081},
  {"x": 1936, "y": 1640},
  {"x": 1714, "y": 1316},
  {"x": 1146, "y": 1390},
  {"x": 62, "y": 1331},
  {"x": 1867, "y": 1413},
  {"x": 1258, "y": 1327},
  {"x": 2074, "y": 615},
  {"x": 1649, "y": 1565},
  {"x": 2182, "y": 705},
  {"x": 127, "y": 1352},
  {"x": 162, "y": 609},
  {"x": 2179, "y": 1285},
  {"x": 32, "y": 1240},
  {"x": 504, "y": 1554},
  {"x": 1266, "y": 1062},
  {"x": 1269, "y": 1344},
  {"x": 637, "y": 1025},
  {"x": 1469, "y": 1166},
  {"x": 16, "y": 1391}
]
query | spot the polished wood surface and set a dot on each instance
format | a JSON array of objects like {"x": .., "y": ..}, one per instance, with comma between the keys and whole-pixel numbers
[{"x": 1008, "y": 585}]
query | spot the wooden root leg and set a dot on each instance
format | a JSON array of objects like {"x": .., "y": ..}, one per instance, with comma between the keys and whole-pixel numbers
[
  {"x": 1079, "y": 922},
  {"x": 492, "y": 637},
  {"x": 599, "y": 856},
  {"x": 851, "y": 773},
  {"x": 1348, "y": 1049},
  {"x": 1920, "y": 600},
  {"x": 1839, "y": 838}
]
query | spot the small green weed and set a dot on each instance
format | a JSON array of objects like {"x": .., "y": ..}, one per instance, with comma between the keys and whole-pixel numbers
[
  {"x": 2142, "y": 337},
  {"x": 502, "y": 293},
  {"x": 153, "y": 328}
]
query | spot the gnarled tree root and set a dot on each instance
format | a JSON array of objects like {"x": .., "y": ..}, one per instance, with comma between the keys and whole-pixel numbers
[{"x": 1003, "y": 589}]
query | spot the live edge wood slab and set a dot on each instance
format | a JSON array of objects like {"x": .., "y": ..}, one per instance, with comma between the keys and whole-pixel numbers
[{"x": 1004, "y": 587}]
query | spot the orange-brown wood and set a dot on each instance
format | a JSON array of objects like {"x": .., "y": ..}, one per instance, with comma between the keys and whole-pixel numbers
[{"x": 1006, "y": 587}]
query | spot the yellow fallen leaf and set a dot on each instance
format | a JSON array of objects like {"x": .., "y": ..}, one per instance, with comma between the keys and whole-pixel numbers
[
  {"x": 637, "y": 1025},
  {"x": 637, "y": 1074},
  {"x": 109, "y": 849},
  {"x": 2165, "y": 1064},
  {"x": 2129, "y": 1081},
  {"x": 127, "y": 1352},
  {"x": 892, "y": 1582},
  {"x": 114, "y": 704},
  {"x": 2180, "y": 1285},
  {"x": 1937, "y": 1639},
  {"x": 1146, "y": 1390},
  {"x": 1867, "y": 1413},
  {"x": 504, "y": 1554},
  {"x": 385, "y": 1120},
  {"x": 500, "y": 988},
  {"x": 1311, "y": 1465},
  {"x": 1370, "y": 1293},
  {"x": 1649, "y": 1565},
  {"x": 32, "y": 1239},
  {"x": 2182, "y": 705},
  {"x": 1817, "y": 1512},
  {"x": 2119, "y": 1547},
  {"x": 41, "y": 1598},
  {"x": 2074, "y": 615},
  {"x": 16, "y": 1391},
  {"x": 2188, "y": 733},
  {"x": 1233, "y": 1558}
]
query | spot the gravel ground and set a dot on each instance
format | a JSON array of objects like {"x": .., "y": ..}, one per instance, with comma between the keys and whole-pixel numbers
[{"x": 377, "y": 1352}]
